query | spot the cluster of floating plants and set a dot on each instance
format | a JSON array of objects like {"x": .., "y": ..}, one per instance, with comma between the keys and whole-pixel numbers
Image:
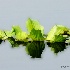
[{"x": 35, "y": 40}]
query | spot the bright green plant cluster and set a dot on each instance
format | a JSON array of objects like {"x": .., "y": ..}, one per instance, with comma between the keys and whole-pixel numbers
[{"x": 35, "y": 38}]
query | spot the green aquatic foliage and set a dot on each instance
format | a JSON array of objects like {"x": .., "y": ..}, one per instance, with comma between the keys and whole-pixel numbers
[
  {"x": 34, "y": 41},
  {"x": 34, "y": 24},
  {"x": 2, "y": 35},
  {"x": 57, "y": 34},
  {"x": 19, "y": 34},
  {"x": 59, "y": 38},
  {"x": 8, "y": 34},
  {"x": 36, "y": 35},
  {"x": 16, "y": 29}
]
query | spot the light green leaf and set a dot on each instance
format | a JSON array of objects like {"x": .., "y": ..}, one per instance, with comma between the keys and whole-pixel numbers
[
  {"x": 21, "y": 36},
  {"x": 16, "y": 29},
  {"x": 56, "y": 33},
  {"x": 2, "y": 34},
  {"x": 8, "y": 34},
  {"x": 30, "y": 24}
]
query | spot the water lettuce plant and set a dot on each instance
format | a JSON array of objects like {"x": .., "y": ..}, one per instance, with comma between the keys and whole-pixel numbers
[{"x": 34, "y": 41}]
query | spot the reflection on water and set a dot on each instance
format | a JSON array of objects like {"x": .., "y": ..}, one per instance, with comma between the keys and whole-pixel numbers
[
  {"x": 16, "y": 43},
  {"x": 57, "y": 46},
  {"x": 1, "y": 41},
  {"x": 35, "y": 48}
]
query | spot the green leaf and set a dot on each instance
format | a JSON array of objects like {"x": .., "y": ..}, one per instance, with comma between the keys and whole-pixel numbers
[
  {"x": 16, "y": 29},
  {"x": 36, "y": 35},
  {"x": 59, "y": 38},
  {"x": 68, "y": 32},
  {"x": 2, "y": 35},
  {"x": 8, "y": 34},
  {"x": 33, "y": 24},
  {"x": 57, "y": 34},
  {"x": 21, "y": 36}
]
